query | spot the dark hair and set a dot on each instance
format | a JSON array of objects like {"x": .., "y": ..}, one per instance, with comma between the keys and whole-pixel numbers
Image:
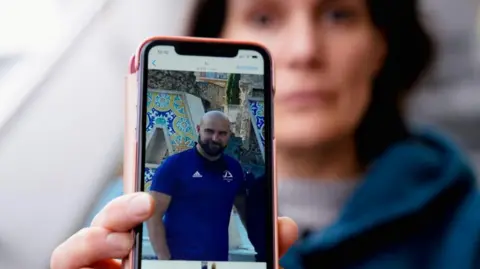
[{"x": 410, "y": 54}]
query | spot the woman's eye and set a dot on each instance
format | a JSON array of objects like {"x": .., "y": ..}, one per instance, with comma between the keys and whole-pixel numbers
[
  {"x": 262, "y": 19},
  {"x": 339, "y": 15}
]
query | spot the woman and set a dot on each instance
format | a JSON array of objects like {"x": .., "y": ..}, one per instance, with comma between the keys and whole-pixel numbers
[{"x": 365, "y": 190}]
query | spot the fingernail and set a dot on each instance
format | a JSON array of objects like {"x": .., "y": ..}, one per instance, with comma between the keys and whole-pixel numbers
[
  {"x": 120, "y": 241},
  {"x": 140, "y": 205}
]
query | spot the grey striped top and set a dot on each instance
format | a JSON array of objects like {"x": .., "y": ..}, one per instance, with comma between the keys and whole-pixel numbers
[{"x": 313, "y": 204}]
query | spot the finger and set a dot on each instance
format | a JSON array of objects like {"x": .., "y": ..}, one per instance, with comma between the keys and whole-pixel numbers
[
  {"x": 107, "y": 264},
  {"x": 287, "y": 234},
  {"x": 90, "y": 246},
  {"x": 125, "y": 212}
]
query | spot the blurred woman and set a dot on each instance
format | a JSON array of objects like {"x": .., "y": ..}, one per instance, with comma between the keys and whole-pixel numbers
[{"x": 366, "y": 190}]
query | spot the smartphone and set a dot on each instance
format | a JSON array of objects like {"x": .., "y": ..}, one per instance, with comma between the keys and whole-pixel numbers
[{"x": 204, "y": 150}]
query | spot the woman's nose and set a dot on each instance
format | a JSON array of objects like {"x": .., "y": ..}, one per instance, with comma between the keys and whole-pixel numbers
[{"x": 303, "y": 42}]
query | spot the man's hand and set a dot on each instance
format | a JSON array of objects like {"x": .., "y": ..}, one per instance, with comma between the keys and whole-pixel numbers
[{"x": 109, "y": 236}]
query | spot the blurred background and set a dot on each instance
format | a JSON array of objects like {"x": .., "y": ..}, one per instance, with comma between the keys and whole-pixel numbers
[{"x": 62, "y": 69}]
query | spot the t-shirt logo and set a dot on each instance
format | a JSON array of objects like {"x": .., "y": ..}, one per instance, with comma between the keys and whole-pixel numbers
[
  {"x": 197, "y": 175},
  {"x": 227, "y": 176}
]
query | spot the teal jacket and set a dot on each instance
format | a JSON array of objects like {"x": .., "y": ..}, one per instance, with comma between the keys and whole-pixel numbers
[{"x": 418, "y": 207}]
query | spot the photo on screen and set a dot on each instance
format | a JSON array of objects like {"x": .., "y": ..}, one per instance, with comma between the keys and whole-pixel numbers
[{"x": 204, "y": 149}]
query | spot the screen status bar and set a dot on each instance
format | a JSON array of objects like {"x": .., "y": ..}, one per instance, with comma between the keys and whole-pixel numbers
[{"x": 165, "y": 58}]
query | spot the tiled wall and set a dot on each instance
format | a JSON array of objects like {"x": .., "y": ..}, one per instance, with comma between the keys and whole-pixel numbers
[
  {"x": 170, "y": 110},
  {"x": 257, "y": 109}
]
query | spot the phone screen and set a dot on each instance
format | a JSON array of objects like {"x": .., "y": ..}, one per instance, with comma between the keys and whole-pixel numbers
[{"x": 205, "y": 152}]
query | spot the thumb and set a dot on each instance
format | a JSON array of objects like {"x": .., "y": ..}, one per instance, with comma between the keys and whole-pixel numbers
[{"x": 287, "y": 234}]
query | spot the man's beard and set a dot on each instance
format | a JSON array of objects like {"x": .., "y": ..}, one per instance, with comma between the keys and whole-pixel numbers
[{"x": 211, "y": 148}]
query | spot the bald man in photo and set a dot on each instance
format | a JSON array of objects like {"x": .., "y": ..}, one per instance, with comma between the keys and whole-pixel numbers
[{"x": 194, "y": 192}]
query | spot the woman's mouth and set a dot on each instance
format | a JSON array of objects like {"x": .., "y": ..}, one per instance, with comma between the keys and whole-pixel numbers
[{"x": 307, "y": 98}]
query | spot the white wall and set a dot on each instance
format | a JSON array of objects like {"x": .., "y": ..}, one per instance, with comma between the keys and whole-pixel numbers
[
  {"x": 196, "y": 108},
  {"x": 233, "y": 111},
  {"x": 53, "y": 177}
]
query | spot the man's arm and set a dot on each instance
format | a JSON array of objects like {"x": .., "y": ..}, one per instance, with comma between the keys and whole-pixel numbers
[
  {"x": 162, "y": 191},
  {"x": 241, "y": 208},
  {"x": 240, "y": 202},
  {"x": 156, "y": 229}
]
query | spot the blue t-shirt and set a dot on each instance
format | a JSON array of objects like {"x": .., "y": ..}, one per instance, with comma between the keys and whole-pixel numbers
[{"x": 203, "y": 193}]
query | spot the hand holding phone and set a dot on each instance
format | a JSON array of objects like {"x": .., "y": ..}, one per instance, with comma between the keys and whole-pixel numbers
[{"x": 92, "y": 247}]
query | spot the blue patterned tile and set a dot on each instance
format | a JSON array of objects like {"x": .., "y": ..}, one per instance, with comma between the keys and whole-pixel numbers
[
  {"x": 168, "y": 110},
  {"x": 257, "y": 110}
]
